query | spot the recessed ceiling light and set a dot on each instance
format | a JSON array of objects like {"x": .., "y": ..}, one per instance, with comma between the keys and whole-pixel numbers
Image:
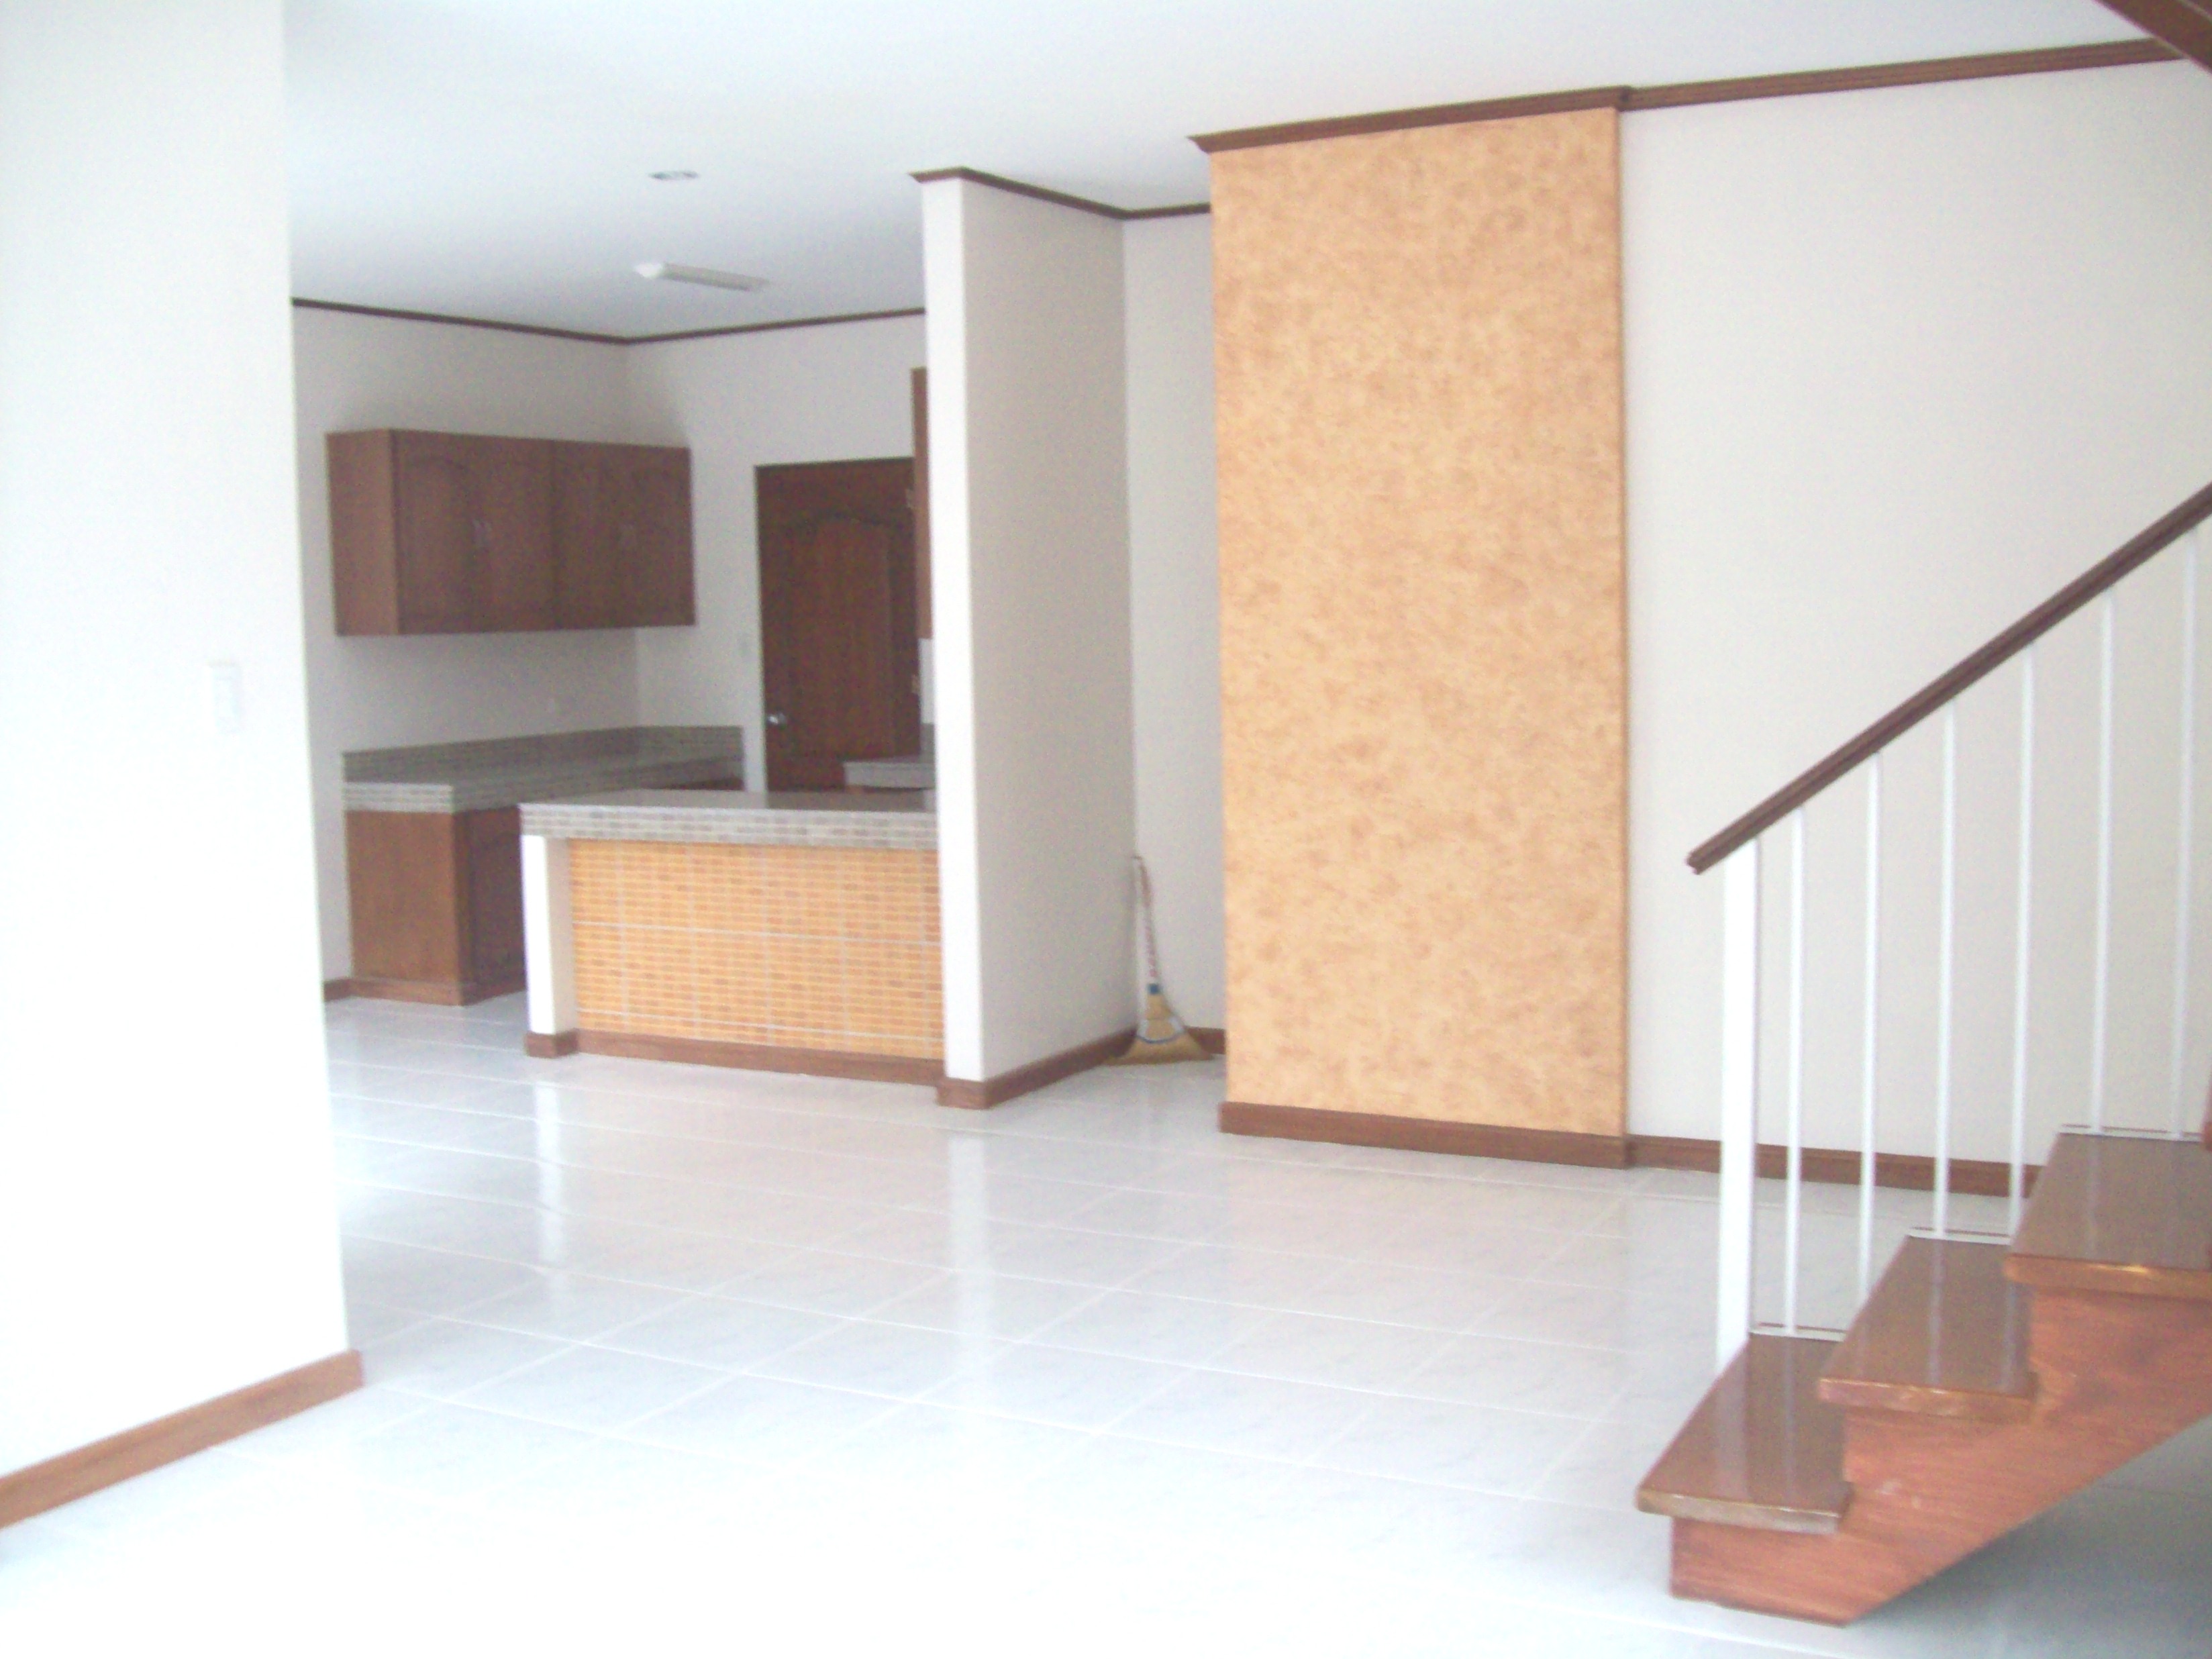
[
  {"x": 675, "y": 175},
  {"x": 656, "y": 270}
]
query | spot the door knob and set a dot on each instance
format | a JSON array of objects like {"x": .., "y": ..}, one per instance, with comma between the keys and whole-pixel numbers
[{"x": 777, "y": 720}]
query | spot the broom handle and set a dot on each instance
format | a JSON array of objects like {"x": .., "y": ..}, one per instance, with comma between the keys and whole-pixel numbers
[{"x": 1145, "y": 903}]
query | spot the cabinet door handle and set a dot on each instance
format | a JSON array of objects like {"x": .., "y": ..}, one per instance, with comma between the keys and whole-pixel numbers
[{"x": 778, "y": 720}]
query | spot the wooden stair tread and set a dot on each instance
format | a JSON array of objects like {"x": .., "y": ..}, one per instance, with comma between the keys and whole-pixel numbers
[
  {"x": 1945, "y": 1333},
  {"x": 2120, "y": 1214},
  {"x": 1762, "y": 1449}
]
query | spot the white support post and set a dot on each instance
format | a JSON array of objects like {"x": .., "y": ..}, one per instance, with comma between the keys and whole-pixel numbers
[
  {"x": 549, "y": 938},
  {"x": 1738, "y": 1095}
]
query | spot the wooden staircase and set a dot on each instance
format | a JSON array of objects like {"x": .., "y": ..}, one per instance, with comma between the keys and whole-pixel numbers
[{"x": 1980, "y": 1384}]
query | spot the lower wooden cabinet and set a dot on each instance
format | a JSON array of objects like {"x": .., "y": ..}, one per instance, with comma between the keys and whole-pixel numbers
[
  {"x": 436, "y": 900},
  {"x": 438, "y": 532}
]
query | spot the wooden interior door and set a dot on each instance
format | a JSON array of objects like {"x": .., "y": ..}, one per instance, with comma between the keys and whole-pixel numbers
[{"x": 839, "y": 659}]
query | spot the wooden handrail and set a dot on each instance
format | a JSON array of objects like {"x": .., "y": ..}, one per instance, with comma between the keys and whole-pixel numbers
[{"x": 1922, "y": 703}]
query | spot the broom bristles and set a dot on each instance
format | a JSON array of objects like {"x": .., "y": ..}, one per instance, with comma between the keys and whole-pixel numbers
[{"x": 1162, "y": 1037}]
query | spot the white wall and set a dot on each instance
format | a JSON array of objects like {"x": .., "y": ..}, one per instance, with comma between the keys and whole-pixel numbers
[
  {"x": 167, "y": 1222},
  {"x": 837, "y": 393},
  {"x": 1174, "y": 600},
  {"x": 1900, "y": 364},
  {"x": 355, "y": 372},
  {"x": 1031, "y": 596}
]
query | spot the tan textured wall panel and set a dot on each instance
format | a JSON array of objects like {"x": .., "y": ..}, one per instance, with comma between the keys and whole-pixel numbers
[
  {"x": 784, "y": 947},
  {"x": 1417, "y": 344}
]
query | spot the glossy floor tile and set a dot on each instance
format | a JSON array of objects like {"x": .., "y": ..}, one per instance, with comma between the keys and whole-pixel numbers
[{"x": 662, "y": 1357}]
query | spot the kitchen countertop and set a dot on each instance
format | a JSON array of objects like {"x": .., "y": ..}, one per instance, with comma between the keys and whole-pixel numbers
[
  {"x": 888, "y": 822},
  {"x": 467, "y": 777}
]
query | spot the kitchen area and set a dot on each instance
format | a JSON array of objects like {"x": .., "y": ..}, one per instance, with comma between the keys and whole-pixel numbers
[{"x": 653, "y": 904}]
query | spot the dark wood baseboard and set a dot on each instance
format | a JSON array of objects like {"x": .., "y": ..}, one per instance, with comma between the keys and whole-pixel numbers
[
  {"x": 1424, "y": 1134},
  {"x": 969, "y": 1095},
  {"x": 755, "y": 1057},
  {"x": 1830, "y": 1165},
  {"x": 336, "y": 990},
  {"x": 1212, "y": 1039},
  {"x": 559, "y": 1046},
  {"x": 80, "y": 1472},
  {"x": 442, "y": 992}
]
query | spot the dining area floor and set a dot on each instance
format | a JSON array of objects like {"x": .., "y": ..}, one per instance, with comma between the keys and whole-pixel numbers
[{"x": 697, "y": 1360}]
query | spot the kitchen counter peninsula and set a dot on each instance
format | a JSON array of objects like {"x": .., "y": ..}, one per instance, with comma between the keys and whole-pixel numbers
[
  {"x": 434, "y": 853},
  {"x": 779, "y": 931}
]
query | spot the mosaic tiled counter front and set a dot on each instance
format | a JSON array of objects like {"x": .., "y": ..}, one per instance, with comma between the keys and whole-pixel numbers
[{"x": 781, "y": 931}]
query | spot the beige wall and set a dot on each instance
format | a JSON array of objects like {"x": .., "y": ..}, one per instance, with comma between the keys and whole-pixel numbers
[{"x": 1418, "y": 348}]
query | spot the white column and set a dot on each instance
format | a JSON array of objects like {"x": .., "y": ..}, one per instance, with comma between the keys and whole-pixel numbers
[{"x": 549, "y": 936}]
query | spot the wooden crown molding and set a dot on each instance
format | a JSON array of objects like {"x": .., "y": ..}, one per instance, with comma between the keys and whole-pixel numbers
[
  {"x": 1080, "y": 204},
  {"x": 1986, "y": 66},
  {"x": 599, "y": 339}
]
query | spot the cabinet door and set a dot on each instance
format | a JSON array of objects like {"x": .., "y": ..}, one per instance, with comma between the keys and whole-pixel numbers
[
  {"x": 591, "y": 583},
  {"x": 513, "y": 586},
  {"x": 433, "y": 490},
  {"x": 655, "y": 537},
  {"x": 495, "y": 894}
]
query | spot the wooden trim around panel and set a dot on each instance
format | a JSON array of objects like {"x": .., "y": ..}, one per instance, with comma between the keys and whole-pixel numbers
[
  {"x": 80, "y": 1472},
  {"x": 1399, "y": 120},
  {"x": 1080, "y": 204},
  {"x": 757, "y": 1057},
  {"x": 969, "y": 1095},
  {"x": 2108, "y": 55},
  {"x": 558, "y": 1046},
  {"x": 1424, "y": 1134},
  {"x": 1828, "y": 1165},
  {"x": 610, "y": 339},
  {"x": 336, "y": 990}
]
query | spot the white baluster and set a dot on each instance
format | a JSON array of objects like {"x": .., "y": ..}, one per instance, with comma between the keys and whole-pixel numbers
[
  {"x": 1739, "y": 1094},
  {"x": 2023, "y": 915},
  {"x": 1871, "y": 1040},
  {"x": 1794, "y": 1176},
  {"x": 2187, "y": 836},
  {"x": 1948, "y": 936},
  {"x": 2101, "y": 1005}
]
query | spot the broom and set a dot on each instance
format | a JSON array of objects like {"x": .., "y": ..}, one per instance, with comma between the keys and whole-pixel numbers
[{"x": 1162, "y": 1037}]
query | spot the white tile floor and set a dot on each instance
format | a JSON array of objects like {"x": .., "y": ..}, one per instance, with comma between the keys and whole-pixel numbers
[{"x": 690, "y": 1360}]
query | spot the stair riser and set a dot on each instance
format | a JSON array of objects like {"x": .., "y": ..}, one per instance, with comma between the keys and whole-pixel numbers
[{"x": 2117, "y": 1376}]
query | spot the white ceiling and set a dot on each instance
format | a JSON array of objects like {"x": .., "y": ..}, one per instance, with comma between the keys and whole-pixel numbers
[{"x": 488, "y": 158}]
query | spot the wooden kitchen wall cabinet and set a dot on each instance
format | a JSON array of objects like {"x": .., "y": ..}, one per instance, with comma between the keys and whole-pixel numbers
[
  {"x": 622, "y": 536},
  {"x": 435, "y": 532}
]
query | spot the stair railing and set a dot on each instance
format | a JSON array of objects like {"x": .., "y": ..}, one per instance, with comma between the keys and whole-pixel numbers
[{"x": 1736, "y": 851}]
